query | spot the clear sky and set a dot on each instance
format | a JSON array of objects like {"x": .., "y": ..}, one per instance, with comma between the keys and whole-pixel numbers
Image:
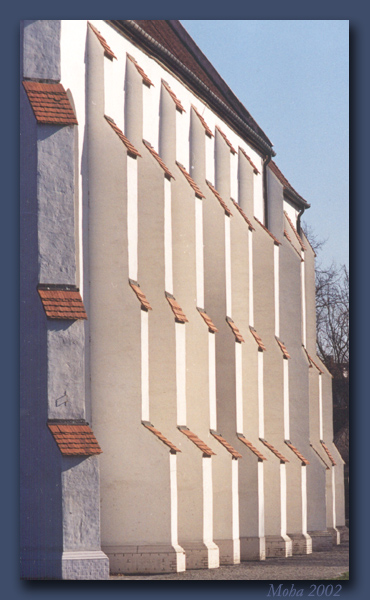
[{"x": 292, "y": 76}]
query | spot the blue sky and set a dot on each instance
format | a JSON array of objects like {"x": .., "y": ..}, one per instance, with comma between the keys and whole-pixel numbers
[{"x": 292, "y": 76}]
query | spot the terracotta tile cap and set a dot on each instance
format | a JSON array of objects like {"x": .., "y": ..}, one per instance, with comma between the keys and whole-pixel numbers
[
  {"x": 308, "y": 242},
  {"x": 161, "y": 437},
  {"x": 207, "y": 129},
  {"x": 107, "y": 50},
  {"x": 141, "y": 71},
  {"x": 50, "y": 103},
  {"x": 63, "y": 304},
  {"x": 207, "y": 319},
  {"x": 144, "y": 302},
  {"x": 232, "y": 149},
  {"x": 158, "y": 159},
  {"x": 295, "y": 231},
  {"x": 190, "y": 180},
  {"x": 197, "y": 441},
  {"x": 276, "y": 241},
  {"x": 256, "y": 171},
  {"x": 282, "y": 348},
  {"x": 260, "y": 343},
  {"x": 131, "y": 150},
  {"x": 243, "y": 215},
  {"x": 292, "y": 245},
  {"x": 223, "y": 204},
  {"x": 74, "y": 439},
  {"x": 176, "y": 309},
  {"x": 238, "y": 336},
  {"x": 328, "y": 452},
  {"x": 274, "y": 451},
  {"x": 179, "y": 106},
  {"x": 251, "y": 447},
  {"x": 312, "y": 362},
  {"x": 283, "y": 180},
  {"x": 320, "y": 457},
  {"x": 226, "y": 444},
  {"x": 297, "y": 453}
]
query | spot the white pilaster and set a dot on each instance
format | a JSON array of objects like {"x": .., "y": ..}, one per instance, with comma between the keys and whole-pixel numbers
[
  {"x": 168, "y": 276},
  {"x": 276, "y": 290},
  {"x": 286, "y": 399},
  {"x": 212, "y": 380},
  {"x": 144, "y": 366},
  {"x": 239, "y": 387},
  {"x": 228, "y": 266},
  {"x": 132, "y": 217},
  {"x": 250, "y": 255},
  {"x": 181, "y": 373},
  {"x": 261, "y": 417}
]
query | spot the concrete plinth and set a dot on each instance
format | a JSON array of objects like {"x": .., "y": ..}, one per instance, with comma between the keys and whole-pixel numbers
[
  {"x": 322, "y": 541},
  {"x": 335, "y": 535},
  {"x": 85, "y": 565},
  {"x": 145, "y": 559},
  {"x": 201, "y": 555},
  {"x": 229, "y": 551},
  {"x": 278, "y": 545},
  {"x": 252, "y": 548},
  {"x": 70, "y": 565},
  {"x": 302, "y": 543},
  {"x": 344, "y": 533}
]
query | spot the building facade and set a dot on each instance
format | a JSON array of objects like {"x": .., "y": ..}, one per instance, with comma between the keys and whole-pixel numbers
[{"x": 174, "y": 414}]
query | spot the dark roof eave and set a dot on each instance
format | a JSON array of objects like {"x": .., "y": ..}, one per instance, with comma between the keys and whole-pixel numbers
[
  {"x": 129, "y": 26},
  {"x": 292, "y": 195}
]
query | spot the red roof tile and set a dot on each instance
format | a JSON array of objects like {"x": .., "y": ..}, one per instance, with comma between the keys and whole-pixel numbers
[
  {"x": 251, "y": 447},
  {"x": 62, "y": 303},
  {"x": 226, "y": 444},
  {"x": 107, "y": 51},
  {"x": 198, "y": 442},
  {"x": 320, "y": 457},
  {"x": 250, "y": 161},
  {"x": 312, "y": 362},
  {"x": 179, "y": 106},
  {"x": 232, "y": 149},
  {"x": 243, "y": 215},
  {"x": 161, "y": 437},
  {"x": 141, "y": 71},
  {"x": 295, "y": 231},
  {"x": 282, "y": 348},
  {"x": 328, "y": 452},
  {"x": 158, "y": 159},
  {"x": 176, "y": 309},
  {"x": 131, "y": 150},
  {"x": 276, "y": 241},
  {"x": 208, "y": 131},
  {"x": 208, "y": 321},
  {"x": 260, "y": 343},
  {"x": 238, "y": 336},
  {"x": 275, "y": 169},
  {"x": 223, "y": 204},
  {"x": 144, "y": 302},
  {"x": 291, "y": 243},
  {"x": 297, "y": 453},
  {"x": 74, "y": 439},
  {"x": 191, "y": 181},
  {"x": 274, "y": 451},
  {"x": 50, "y": 103}
]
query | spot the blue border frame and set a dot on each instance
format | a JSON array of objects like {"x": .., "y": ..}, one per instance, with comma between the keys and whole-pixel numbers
[{"x": 359, "y": 113}]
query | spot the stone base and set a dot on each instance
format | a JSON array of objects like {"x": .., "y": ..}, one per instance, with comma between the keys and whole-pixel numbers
[
  {"x": 252, "y": 548},
  {"x": 131, "y": 560},
  {"x": 344, "y": 533},
  {"x": 278, "y": 545},
  {"x": 321, "y": 541},
  {"x": 302, "y": 543},
  {"x": 69, "y": 565},
  {"x": 229, "y": 551},
  {"x": 85, "y": 565},
  {"x": 335, "y": 535},
  {"x": 201, "y": 555}
]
